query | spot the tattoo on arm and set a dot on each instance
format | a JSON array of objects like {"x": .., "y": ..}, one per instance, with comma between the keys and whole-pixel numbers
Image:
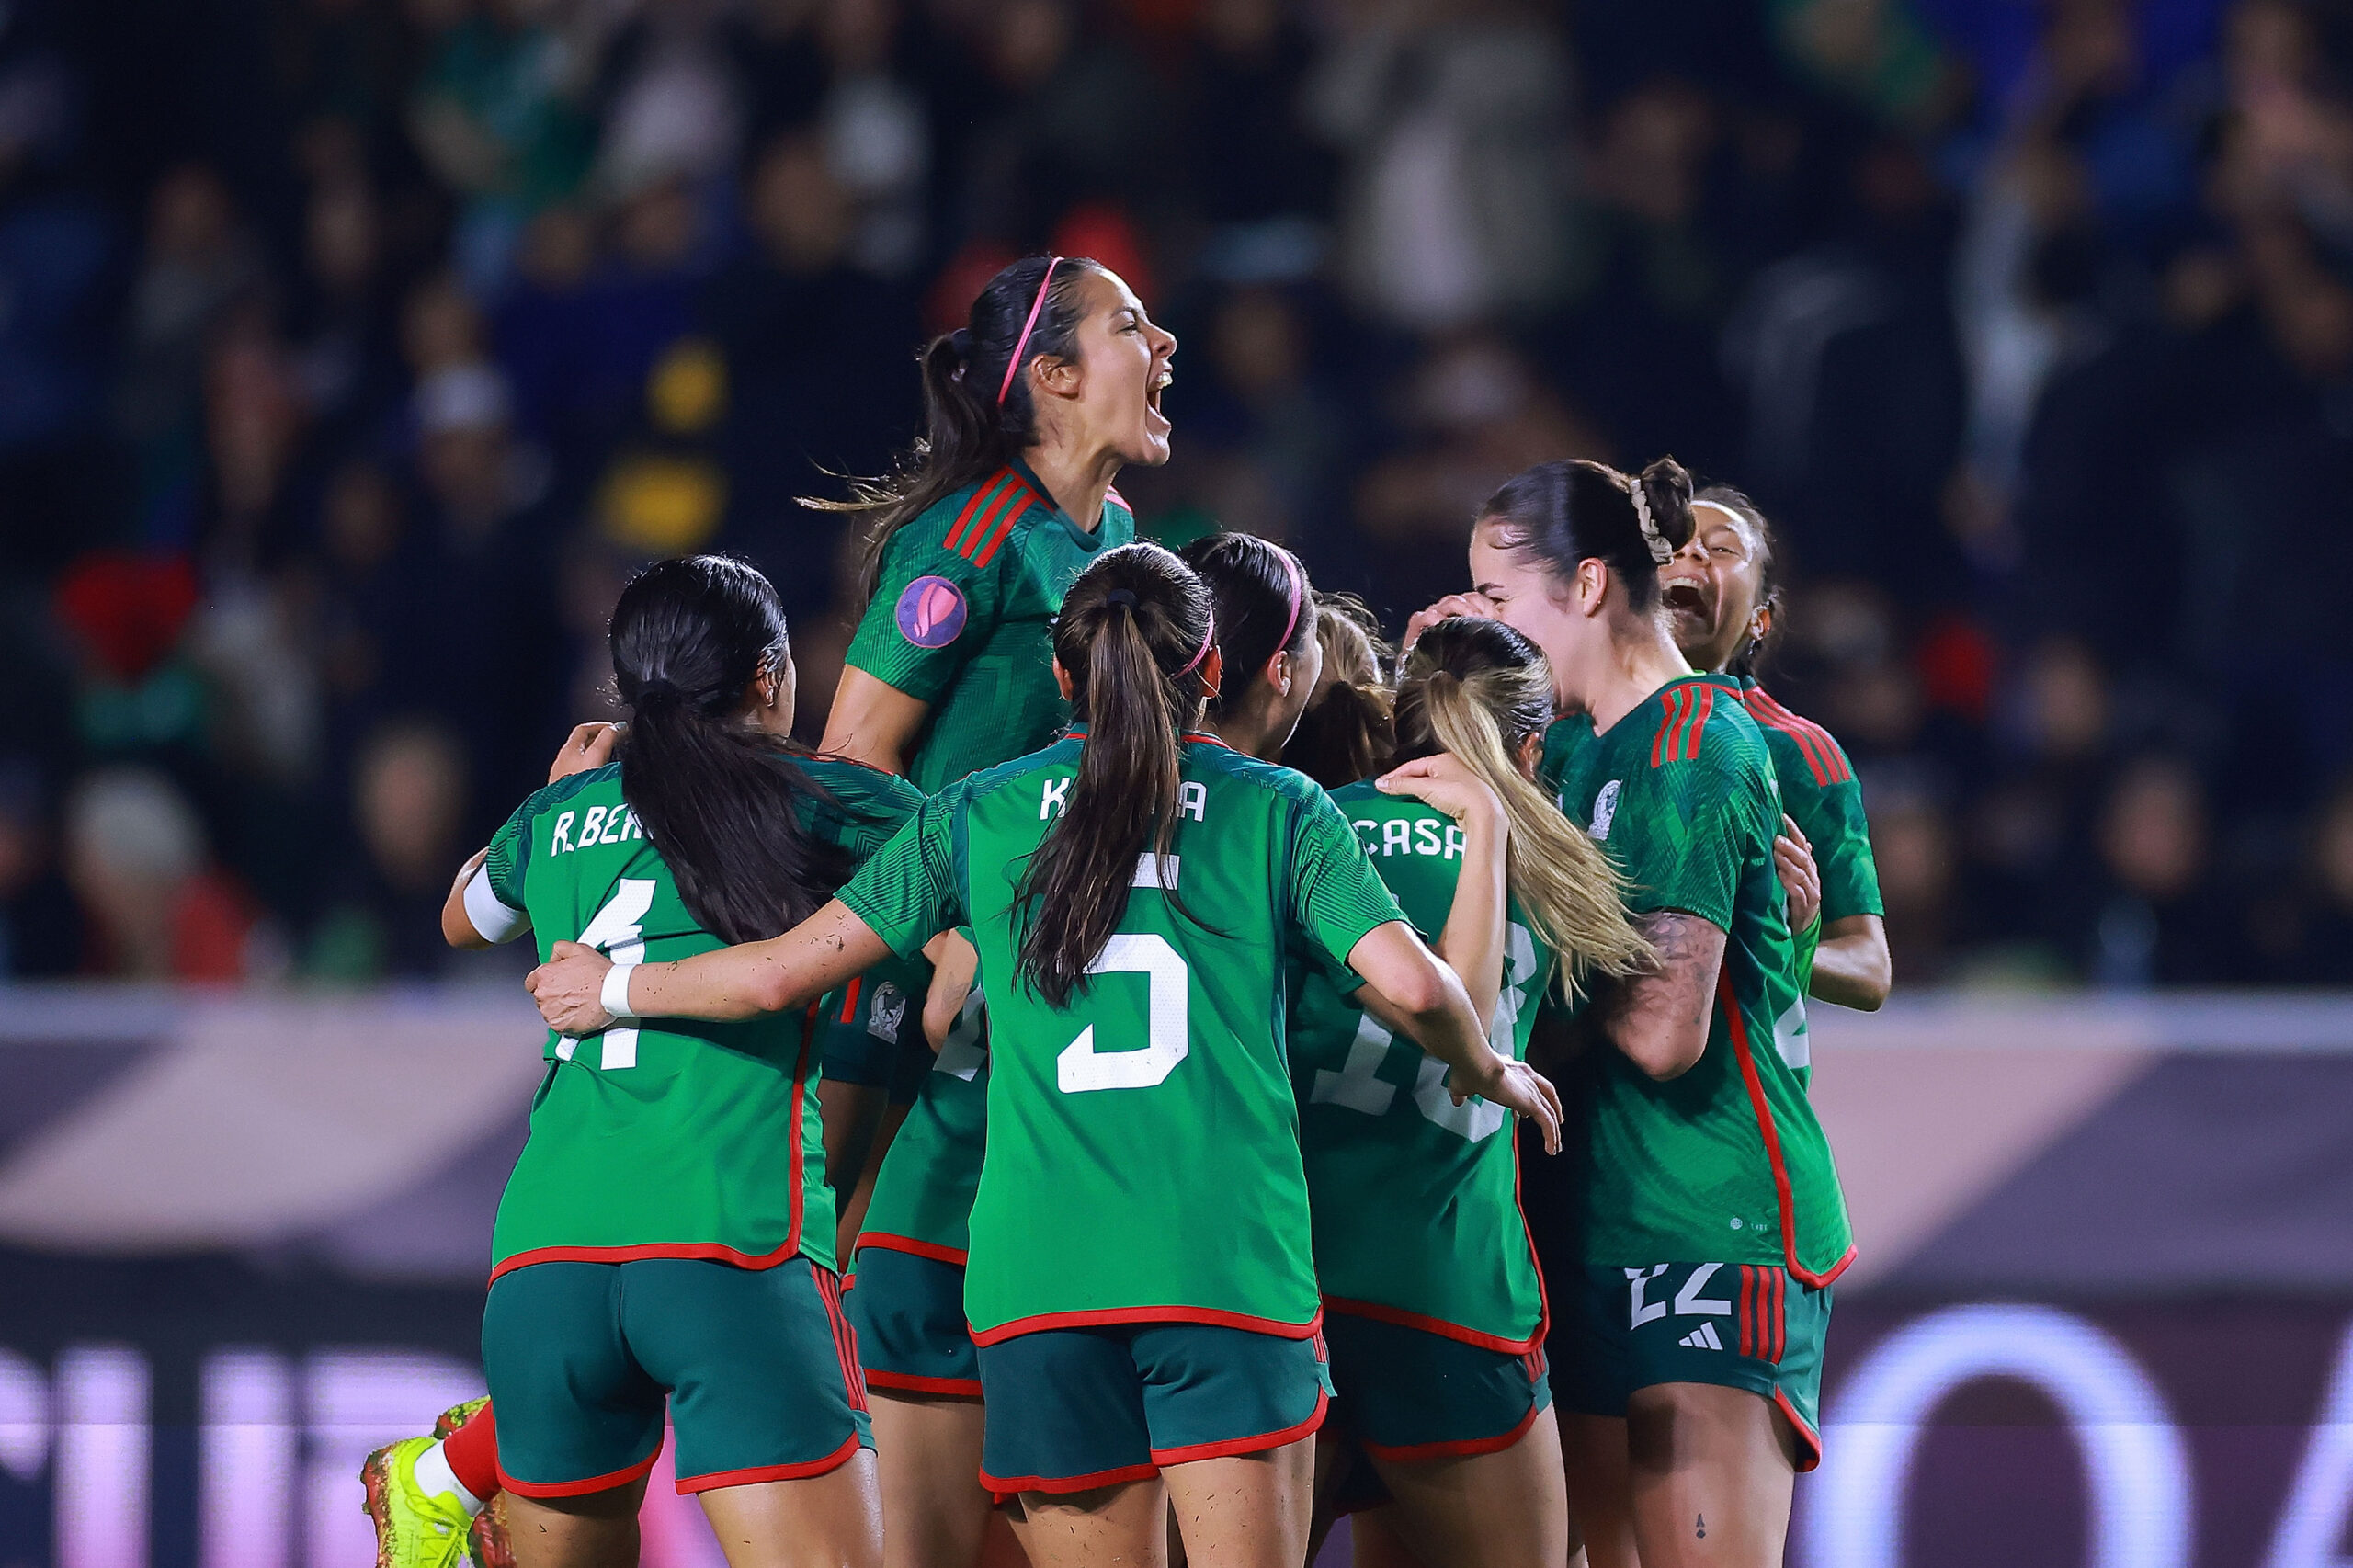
[{"x": 1679, "y": 980}]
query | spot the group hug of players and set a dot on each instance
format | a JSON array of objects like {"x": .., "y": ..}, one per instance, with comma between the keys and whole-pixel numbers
[{"x": 1205, "y": 1214}]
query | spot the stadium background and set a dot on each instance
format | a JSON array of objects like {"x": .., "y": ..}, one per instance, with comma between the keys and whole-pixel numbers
[{"x": 352, "y": 350}]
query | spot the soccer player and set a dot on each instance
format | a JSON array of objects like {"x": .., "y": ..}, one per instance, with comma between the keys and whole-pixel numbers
[
  {"x": 1437, "y": 1331},
  {"x": 1710, "y": 1218},
  {"x": 668, "y": 1235},
  {"x": 1139, "y": 1284},
  {"x": 1345, "y": 733},
  {"x": 1030, "y": 409},
  {"x": 1266, "y": 620},
  {"x": 1719, "y": 592}
]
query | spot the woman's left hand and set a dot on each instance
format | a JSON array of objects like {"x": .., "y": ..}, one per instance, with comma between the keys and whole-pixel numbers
[
  {"x": 1801, "y": 878},
  {"x": 569, "y": 989},
  {"x": 1444, "y": 780}
]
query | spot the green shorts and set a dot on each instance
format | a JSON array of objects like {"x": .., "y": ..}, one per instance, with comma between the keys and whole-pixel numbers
[
  {"x": 758, "y": 1365},
  {"x": 1075, "y": 1408},
  {"x": 909, "y": 1313},
  {"x": 1406, "y": 1394},
  {"x": 1742, "y": 1326}
]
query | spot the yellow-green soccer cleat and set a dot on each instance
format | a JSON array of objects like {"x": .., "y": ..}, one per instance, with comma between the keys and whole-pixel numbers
[
  {"x": 413, "y": 1530},
  {"x": 486, "y": 1542}
]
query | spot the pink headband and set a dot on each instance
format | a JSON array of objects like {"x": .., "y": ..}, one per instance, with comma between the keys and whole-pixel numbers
[
  {"x": 1203, "y": 650},
  {"x": 1298, "y": 588},
  {"x": 1021, "y": 342}
]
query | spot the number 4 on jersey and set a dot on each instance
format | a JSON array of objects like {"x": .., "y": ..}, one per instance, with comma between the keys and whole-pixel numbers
[{"x": 618, "y": 930}]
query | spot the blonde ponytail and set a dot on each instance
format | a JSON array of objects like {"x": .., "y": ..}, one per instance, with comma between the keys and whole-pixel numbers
[{"x": 1476, "y": 688}]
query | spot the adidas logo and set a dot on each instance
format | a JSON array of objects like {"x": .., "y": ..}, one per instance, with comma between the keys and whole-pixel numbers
[{"x": 1702, "y": 1339}]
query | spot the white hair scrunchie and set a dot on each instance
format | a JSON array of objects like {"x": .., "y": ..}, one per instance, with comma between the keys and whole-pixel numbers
[{"x": 1661, "y": 552}]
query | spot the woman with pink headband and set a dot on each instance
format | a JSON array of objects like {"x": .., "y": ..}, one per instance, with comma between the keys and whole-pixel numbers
[{"x": 1030, "y": 409}]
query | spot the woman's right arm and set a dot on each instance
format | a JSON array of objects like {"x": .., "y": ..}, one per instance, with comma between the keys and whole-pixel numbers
[
  {"x": 750, "y": 980},
  {"x": 1659, "y": 1019},
  {"x": 1404, "y": 982},
  {"x": 873, "y": 722}
]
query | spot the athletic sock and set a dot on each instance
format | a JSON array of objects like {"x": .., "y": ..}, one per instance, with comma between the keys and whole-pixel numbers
[
  {"x": 472, "y": 1454},
  {"x": 433, "y": 1477}
]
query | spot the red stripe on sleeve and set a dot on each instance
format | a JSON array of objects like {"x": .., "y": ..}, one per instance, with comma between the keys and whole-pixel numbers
[
  {"x": 1003, "y": 530},
  {"x": 1661, "y": 747},
  {"x": 1703, "y": 702},
  {"x": 981, "y": 498},
  {"x": 986, "y": 523},
  {"x": 849, "y": 999}
]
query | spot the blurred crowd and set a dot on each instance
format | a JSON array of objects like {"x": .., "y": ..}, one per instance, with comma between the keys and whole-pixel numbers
[{"x": 352, "y": 351}]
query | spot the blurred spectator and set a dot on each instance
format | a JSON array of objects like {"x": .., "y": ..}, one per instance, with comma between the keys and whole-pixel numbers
[
  {"x": 2156, "y": 916},
  {"x": 137, "y": 857},
  {"x": 408, "y": 804},
  {"x": 1451, "y": 120},
  {"x": 876, "y": 135},
  {"x": 1913, "y": 843},
  {"x": 41, "y": 935}
]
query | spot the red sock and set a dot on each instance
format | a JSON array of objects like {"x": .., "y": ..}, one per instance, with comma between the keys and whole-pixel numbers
[{"x": 472, "y": 1453}]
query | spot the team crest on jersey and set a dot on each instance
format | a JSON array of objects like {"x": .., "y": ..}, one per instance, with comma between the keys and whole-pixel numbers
[
  {"x": 890, "y": 1006},
  {"x": 931, "y": 612},
  {"x": 1605, "y": 811}
]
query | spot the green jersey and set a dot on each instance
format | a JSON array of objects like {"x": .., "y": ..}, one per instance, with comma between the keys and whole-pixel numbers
[
  {"x": 1143, "y": 1160},
  {"x": 923, "y": 1195},
  {"x": 1821, "y": 793},
  {"x": 1726, "y": 1163},
  {"x": 671, "y": 1137},
  {"x": 962, "y": 618},
  {"x": 1415, "y": 1198}
]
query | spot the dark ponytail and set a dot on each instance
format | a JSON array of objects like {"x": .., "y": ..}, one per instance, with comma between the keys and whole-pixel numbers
[
  {"x": 720, "y": 800},
  {"x": 1346, "y": 731},
  {"x": 1134, "y": 635},
  {"x": 968, "y": 433},
  {"x": 1744, "y": 658},
  {"x": 1265, "y": 606},
  {"x": 1572, "y": 510}
]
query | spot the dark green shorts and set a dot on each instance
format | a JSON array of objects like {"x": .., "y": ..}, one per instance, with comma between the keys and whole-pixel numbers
[
  {"x": 1075, "y": 1408},
  {"x": 758, "y": 1365},
  {"x": 909, "y": 1313},
  {"x": 1406, "y": 1394},
  {"x": 1738, "y": 1324},
  {"x": 861, "y": 1049}
]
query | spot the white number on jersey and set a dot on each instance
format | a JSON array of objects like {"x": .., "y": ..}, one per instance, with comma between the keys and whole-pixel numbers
[
  {"x": 1080, "y": 1068},
  {"x": 619, "y": 929},
  {"x": 1358, "y": 1086}
]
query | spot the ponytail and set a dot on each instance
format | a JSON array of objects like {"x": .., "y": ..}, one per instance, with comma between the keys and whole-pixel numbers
[
  {"x": 720, "y": 800},
  {"x": 978, "y": 413},
  {"x": 1133, "y": 633},
  {"x": 1572, "y": 510},
  {"x": 1478, "y": 689},
  {"x": 1345, "y": 729}
]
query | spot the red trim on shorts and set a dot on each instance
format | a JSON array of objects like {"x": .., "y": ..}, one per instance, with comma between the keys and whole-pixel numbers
[
  {"x": 1439, "y": 1326},
  {"x": 829, "y": 1290},
  {"x": 1809, "y": 1440},
  {"x": 696, "y": 1252},
  {"x": 621, "y": 1477},
  {"x": 1008, "y": 1486},
  {"x": 1110, "y": 1317},
  {"x": 690, "y": 1485},
  {"x": 1415, "y": 1453},
  {"x": 889, "y": 1243},
  {"x": 1757, "y": 1101},
  {"x": 907, "y": 1382},
  {"x": 1258, "y": 1445}
]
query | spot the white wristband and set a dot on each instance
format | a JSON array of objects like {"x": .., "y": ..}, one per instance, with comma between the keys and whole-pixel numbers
[{"x": 615, "y": 994}]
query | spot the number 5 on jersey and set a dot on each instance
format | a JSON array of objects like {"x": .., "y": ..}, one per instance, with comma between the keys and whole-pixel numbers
[
  {"x": 1080, "y": 1068},
  {"x": 618, "y": 930}
]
